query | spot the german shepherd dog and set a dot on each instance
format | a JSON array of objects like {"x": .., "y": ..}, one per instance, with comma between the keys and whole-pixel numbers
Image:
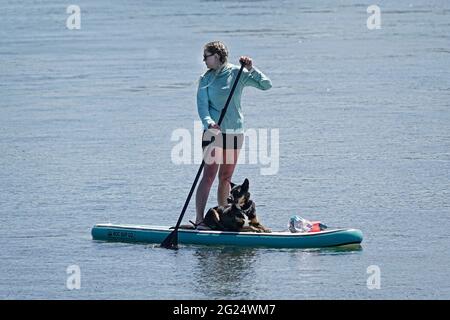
[{"x": 232, "y": 216}]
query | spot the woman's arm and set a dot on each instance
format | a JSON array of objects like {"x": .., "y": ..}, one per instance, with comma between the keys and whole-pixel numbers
[
  {"x": 257, "y": 79},
  {"x": 202, "y": 104},
  {"x": 253, "y": 77}
]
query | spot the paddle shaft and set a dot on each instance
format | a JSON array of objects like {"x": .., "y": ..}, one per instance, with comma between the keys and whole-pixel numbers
[{"x": 172, "y": 239}]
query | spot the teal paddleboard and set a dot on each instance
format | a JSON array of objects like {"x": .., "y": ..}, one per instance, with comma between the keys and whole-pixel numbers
[{"x": 282, "y": 239}]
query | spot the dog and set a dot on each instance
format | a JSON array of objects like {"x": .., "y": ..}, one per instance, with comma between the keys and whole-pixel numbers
[{"x": 232, "y": 216}]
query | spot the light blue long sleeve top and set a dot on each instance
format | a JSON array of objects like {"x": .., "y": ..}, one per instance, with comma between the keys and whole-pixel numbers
[{"x": 212, "y": 94}]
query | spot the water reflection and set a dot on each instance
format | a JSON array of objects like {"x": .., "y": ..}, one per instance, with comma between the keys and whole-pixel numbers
[
  {"x": 224, "y": 271},
  {"x": 350, "y": 248},
  {"x": 230, "y": 272}
]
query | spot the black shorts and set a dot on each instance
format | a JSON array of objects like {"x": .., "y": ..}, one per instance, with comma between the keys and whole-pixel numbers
[{"x": 227, "y": 140}]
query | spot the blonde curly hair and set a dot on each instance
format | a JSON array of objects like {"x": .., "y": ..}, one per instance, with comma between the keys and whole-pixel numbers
[{"x": 218, "y": 47}]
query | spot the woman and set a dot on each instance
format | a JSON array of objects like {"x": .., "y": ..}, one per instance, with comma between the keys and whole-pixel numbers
[{"x": 213, "y": 91}]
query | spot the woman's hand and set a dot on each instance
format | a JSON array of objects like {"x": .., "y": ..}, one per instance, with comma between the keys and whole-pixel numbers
[
  {"x": 247, "y": 61},
  {"x": 214, "y": 126}
]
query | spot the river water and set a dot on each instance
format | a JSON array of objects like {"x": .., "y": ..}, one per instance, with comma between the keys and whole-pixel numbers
[{"x": 87, "y": 116}]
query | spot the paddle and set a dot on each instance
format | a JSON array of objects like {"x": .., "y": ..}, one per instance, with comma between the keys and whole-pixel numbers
[{"x": 171, "y": 242}]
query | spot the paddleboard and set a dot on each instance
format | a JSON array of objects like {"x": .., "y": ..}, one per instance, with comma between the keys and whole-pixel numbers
[{"x": 281, "y": 239}]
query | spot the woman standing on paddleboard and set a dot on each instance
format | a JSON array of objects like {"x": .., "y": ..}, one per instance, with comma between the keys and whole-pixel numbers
[{"x": 213, "y": 90}]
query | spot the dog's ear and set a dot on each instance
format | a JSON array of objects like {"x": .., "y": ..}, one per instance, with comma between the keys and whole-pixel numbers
[
  {"x": 232, "y": 184},
  {"x": 245, "y": 185}
]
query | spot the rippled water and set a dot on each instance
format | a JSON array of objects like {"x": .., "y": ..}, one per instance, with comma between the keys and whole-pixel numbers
[{"x": 85, "y": 137}]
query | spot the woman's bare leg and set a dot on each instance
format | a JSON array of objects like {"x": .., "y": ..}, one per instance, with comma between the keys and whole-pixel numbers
[
  {"x": 230, "y": 157},
  {"x": 201, "y": 196}
]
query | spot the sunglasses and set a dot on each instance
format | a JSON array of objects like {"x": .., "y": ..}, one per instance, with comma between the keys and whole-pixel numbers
[{"x": 205, "y": 57}]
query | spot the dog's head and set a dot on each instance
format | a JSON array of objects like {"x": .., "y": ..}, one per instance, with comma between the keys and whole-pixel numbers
[{"x": 239, "y": 195}]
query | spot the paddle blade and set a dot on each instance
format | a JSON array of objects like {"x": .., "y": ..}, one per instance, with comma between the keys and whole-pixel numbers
[{"x": 171, "y": 242}]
